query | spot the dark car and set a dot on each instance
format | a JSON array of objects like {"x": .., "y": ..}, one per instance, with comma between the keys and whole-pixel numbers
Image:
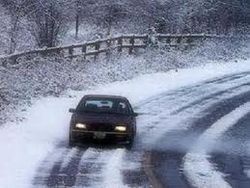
[{"x": 103, "y": 117}]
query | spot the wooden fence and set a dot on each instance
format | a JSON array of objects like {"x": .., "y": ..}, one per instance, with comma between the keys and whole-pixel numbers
[{"x": 126, "y": 42}]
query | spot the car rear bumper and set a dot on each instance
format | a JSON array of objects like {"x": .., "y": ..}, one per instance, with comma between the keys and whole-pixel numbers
[{"x": 117, "y": 136}]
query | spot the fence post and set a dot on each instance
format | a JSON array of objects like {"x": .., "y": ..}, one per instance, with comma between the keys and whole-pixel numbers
[
  {"x": 58, "y": 51},
  {"x": 179, "y": 40},
  {"x": 145, "y": 40},
  {"x": 97, "y": 48},
  {"x": 71, "y": 50},
  {"x": 189, "y": 40},
  {"x": 84, "y": 50},
  {"x": 13, "y": 59},
  {"x": 168, "y": 40},
  {"x": 119, "y": 41},
  {"x": 108, "y": 44},
  {"x": 44, "y": 52},
  {"x": 132, "y": 42}
]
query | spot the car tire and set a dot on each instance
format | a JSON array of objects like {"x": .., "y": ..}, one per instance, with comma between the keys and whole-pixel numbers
[
  {"x": 72, "y": 142},
  {"x": 130, "y": 142}
]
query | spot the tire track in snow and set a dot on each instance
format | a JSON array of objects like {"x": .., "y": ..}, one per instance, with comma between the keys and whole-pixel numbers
[
  {"x": 187, "y": 90},
  {"x": 167, "y": 168},
  {"x": 88, "y": 168},
  {"x": 65, "y": 175},
  {"x": 59, "y": 168},
  {"x": 51, "y": 163},
  {"x": 67, "y": 159},
  {"x": 101, "y": 167},
  {"x": 197, "y": 167},
  {"x": 232, "y": 166},
  {"x": 178, "y": 139},
  {"x": 208, "y": 97},
  {"x": 177, "y": 99},
  {"x": 182, "y": 107},
  {"x": 232, "y": 156},
  {"x": 133, "y": 169}
]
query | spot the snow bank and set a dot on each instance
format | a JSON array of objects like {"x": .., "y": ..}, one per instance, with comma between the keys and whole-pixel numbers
[
  {"x": 200, "y": 172},
  {"x": 23, "y": 145}
]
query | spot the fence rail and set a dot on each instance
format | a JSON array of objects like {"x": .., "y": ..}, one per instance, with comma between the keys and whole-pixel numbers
[{"x": 124, "y": 42}]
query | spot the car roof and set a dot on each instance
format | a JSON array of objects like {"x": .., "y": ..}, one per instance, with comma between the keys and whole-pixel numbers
[{"x": 105, "y": 97}]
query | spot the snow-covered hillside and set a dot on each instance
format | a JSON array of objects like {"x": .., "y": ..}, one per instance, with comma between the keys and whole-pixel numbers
[{"x": 50, "y": 76}]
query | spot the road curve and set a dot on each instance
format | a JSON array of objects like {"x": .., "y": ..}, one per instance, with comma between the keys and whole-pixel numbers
[{"x": 170, "y": 126}]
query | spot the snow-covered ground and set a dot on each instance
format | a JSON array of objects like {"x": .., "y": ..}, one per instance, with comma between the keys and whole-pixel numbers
[{"x": 23, "y": 145}]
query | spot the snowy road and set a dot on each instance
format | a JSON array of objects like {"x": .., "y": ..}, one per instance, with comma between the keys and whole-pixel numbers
[
  {"x": 202, "y": 141},
  {"x": 194, "y": 132}
]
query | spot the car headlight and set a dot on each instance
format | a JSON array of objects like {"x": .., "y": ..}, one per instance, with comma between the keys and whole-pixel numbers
[
  {"x": 81, "y": 126},
  {"x": 121, "y": 128}
]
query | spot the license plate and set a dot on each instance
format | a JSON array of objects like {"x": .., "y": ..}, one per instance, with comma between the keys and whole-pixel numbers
[{"x": 99, "y": 135}]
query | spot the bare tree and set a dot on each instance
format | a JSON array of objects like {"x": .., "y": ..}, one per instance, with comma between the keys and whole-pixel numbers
[
  {"x": 47, "y": 20},
  {"x": 16, "y": 9}
]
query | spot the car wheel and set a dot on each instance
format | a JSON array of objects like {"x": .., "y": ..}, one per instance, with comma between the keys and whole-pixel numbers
[
  {"x": 130, "y": 142},
  {"x": 72, "y": 142}
]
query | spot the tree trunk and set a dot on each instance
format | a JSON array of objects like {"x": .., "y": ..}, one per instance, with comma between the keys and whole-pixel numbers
[
  {"x": 13, "y": 34},
  {"x": 77, "y": 26}
]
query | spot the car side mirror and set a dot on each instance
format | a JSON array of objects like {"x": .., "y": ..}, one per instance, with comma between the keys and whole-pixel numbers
[
  {"x": 72, "y": 110},
  {"x": 135, "y": 114}
]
